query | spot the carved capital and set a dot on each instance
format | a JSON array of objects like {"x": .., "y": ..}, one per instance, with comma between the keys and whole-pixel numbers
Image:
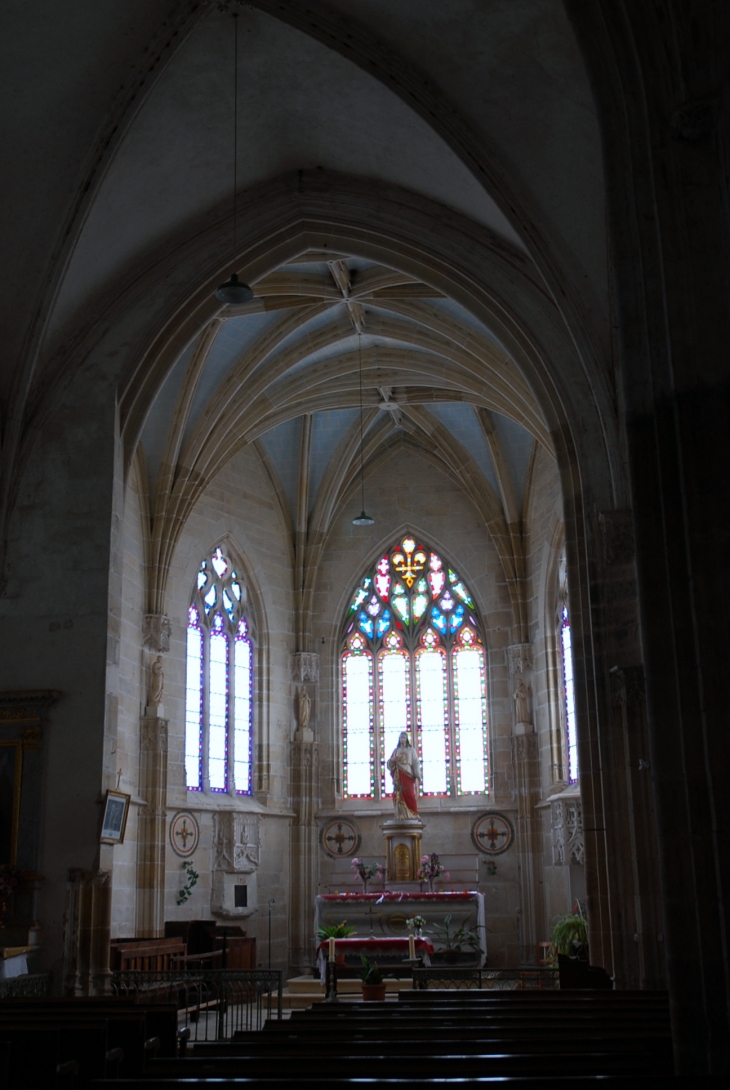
[
  {"x": 519, "y": 658},
  {"x": 156, "y": 630},
  {"x": 153, "y": 734},
  {"x": 305, "y": 666}
]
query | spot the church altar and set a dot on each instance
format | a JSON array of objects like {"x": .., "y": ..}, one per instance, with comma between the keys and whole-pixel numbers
[
  {"x": 385, "y": 914},
  {"x": 386, "y": 950}
]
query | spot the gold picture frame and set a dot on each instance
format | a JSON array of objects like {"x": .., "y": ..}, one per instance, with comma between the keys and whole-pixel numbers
[{"x": 114, "y": 821}]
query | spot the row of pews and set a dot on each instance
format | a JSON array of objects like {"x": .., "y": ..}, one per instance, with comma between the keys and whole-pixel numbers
[
  {"x": 68, "y": 1043},
  {"x": 538, "y": 1038}
]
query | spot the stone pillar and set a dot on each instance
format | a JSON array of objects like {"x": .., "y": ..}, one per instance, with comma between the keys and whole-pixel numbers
[
  {"x": 151, "y": 825},
  {"x": 304, "y": 794},
  {"x": 527, "y": 788},
  {"x": 88, "y": 933}
]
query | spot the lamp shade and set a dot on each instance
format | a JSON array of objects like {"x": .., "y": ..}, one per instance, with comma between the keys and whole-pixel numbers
[
  {"x": 234, "y": 292},
  {"x": 363, "y": 520}
]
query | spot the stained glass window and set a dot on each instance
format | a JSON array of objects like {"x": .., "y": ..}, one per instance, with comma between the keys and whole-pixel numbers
[
  {"x": 219, "y": 688},
  {"x": 569, "y": 696},
  {"x": 413, "y": 660}
]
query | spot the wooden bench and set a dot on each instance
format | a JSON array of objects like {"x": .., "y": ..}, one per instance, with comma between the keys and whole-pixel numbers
[{"x": 146, "y": 955}]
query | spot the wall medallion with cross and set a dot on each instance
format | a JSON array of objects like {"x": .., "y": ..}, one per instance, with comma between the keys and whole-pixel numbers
[
  {"x": 492, "y": 834},
  {"x": 339, "y": 838}
]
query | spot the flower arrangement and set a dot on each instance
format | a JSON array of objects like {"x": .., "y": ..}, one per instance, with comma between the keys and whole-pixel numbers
[
  {"x": 416, "y": 923},
  {"x": 366, "y": 871},
  {"x": 431, "y": 869}
]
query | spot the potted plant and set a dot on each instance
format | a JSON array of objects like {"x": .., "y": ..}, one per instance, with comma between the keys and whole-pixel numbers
[
  {"x": 570, "y": 934},
  {"x": 452, "y": 946},
  {"x": 372, "y": 982},
  {"x": 336, "y": 931}
]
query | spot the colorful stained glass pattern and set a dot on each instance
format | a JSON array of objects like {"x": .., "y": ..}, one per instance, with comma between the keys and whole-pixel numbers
[
  {"x": 415, "y": 616},
  {"x": 243, "y": 711},
  {"x": 569, "y": 695},
  {"x": 194, "y": 705},
  {"x": 395, "y": 703},
  {"x": 471, "y": 718},
  {"x": 219, "y": 687},
  {"x": 357, "y": 696}
]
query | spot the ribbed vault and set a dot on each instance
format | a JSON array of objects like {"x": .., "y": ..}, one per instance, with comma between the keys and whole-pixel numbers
[{"x": 282, "y": 373}]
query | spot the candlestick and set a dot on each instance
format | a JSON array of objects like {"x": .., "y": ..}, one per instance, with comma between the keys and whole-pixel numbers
[
  {"x": 332, "y": 950},
  {"x": 411, "y": 947}
]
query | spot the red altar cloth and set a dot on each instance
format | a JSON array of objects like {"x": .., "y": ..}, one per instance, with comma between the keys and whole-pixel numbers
[
  {"x": 383, "y": 947},
  {"x": 386, "y": 895}
]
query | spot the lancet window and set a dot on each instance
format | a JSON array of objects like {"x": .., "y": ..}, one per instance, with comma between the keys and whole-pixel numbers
[
  {"x": 413, "y": 660},
  {"x": 219, "y": 688},
  {"x": 566, "y": 659}
]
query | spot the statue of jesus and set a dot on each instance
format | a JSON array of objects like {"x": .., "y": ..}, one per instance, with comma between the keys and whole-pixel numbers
[{"x": 405, "y": 768}]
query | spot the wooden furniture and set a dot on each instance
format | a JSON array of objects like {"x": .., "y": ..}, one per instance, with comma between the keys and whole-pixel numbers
[
  {"x": 151, "y": 955},
  {"x": 238, "y": 951}
]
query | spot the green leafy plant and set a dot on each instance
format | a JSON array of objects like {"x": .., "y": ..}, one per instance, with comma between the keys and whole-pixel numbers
[
  {"x": 191, "y": 876},
  {"x": 462, "y": 936},
  {"x": 335, "y": 931},
  {"x": 570, "y": 934},
  {"x": 370, "y": 973}
]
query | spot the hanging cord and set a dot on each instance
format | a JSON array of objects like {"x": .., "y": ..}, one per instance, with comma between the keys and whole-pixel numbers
[
  {"x": 235, "y": 135},
  {"x": 362, "y": 456}
]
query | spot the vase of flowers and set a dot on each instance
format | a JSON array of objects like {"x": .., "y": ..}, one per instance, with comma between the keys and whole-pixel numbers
[
  {"x": 366, "y": 871},
  {"x": 430, "y": 870},
  {"x": 416, "y": 924}
]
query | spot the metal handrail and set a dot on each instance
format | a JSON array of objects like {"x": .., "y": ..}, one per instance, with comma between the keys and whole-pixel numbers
[{"x": 214, "y": 1003}]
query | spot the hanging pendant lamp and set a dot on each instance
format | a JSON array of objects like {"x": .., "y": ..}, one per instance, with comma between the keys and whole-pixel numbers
[
  {"x": 234, "y": 292},
  {"x": 362, "y": 519}
]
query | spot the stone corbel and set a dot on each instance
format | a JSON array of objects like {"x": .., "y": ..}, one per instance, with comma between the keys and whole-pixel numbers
[
  {"x": 305, "y": 667},
  {"x": 156, "y": 629}
]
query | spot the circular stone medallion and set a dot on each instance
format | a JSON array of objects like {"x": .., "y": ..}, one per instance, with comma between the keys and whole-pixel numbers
[
  {"x": 184, "y": 833},
  {"x": 492, "y": 834},
  {"x": 339, "y": 839}
]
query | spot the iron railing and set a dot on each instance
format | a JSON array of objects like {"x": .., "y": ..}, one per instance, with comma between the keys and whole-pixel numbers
[
  {"x": 497, "y": 979},
  {"x": 213, "y": 1003},
  {"x": 29, "y": 986}
]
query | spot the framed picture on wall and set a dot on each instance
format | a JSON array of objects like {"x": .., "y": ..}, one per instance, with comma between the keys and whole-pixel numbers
[{"x": 116, "y": 808}]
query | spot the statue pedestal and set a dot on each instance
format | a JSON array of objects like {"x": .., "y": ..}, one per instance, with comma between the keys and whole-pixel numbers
[{"x": 403, "y": 848}]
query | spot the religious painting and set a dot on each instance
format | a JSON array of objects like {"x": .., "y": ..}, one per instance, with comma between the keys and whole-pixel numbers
[
  {"x": 11, "y": 768},
  {"x": 184, "y": 834},
  {"x": 492, "y": 833},
  {"x": 114, "y": 822},
  {"x": 339, "y": 839}
]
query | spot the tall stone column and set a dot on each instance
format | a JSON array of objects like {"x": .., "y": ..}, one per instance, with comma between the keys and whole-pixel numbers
[
  {"x": 527, "y": 788},
  {"x": 153, "y": 786},
  {"x": 304, "y": 792}
]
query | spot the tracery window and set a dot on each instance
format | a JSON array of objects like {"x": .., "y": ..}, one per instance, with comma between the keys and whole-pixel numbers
[
  {"x": 219, "y": 689},
  {"x": 413, "y": 660}
]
